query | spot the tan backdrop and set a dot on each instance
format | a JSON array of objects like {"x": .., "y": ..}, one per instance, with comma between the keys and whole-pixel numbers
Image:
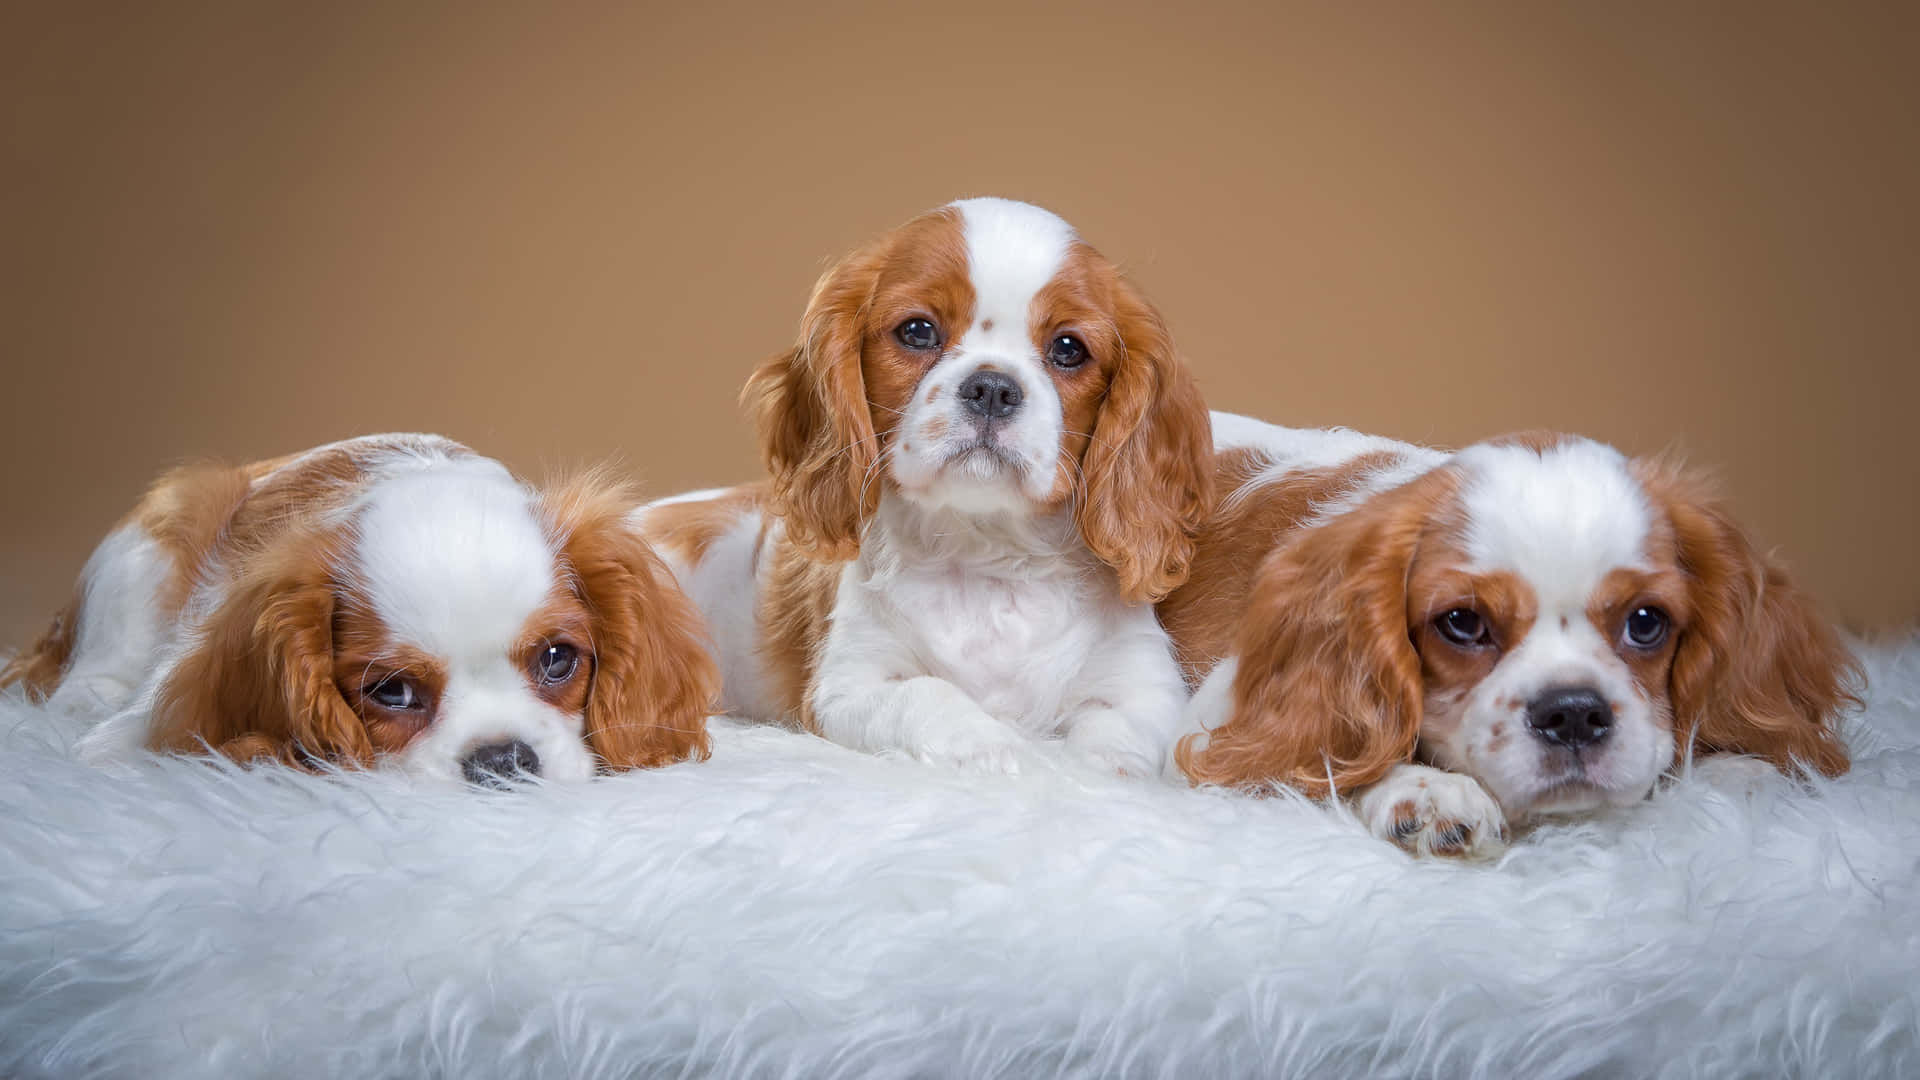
[{"x": 236, "y": 231}]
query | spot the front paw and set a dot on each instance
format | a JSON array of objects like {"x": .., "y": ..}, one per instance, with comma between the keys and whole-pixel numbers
[
  {"x": 1105, "y": 741},
  {"x": 974, "y": 742},
  {"x": 1431, "y": 812}
]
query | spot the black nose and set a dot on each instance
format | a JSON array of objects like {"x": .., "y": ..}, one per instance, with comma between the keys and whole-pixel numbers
[
  {"x": 1572, "y": 717},
  {"x": 990, "y": 394},
  {"x": 494, "y": 764}
]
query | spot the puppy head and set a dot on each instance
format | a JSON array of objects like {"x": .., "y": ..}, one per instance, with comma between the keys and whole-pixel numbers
[
  {"x": 983, "y": 359},
  {"x": 447, "y": 621},
  {"x": 1539, "y": 613}
]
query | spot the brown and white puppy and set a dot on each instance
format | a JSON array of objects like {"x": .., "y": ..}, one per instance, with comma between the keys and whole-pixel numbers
[
  {"x": 1532, "y": 626},
  {"x": 395, "y": 600},
  {"x": 987, "y": 461}
]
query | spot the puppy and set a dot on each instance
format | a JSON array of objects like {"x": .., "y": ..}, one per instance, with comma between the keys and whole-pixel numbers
[
  {"x": 394, "y": 600},
  {"x": 987, "y": 462},
  {"x": 1532, "y": 626}
]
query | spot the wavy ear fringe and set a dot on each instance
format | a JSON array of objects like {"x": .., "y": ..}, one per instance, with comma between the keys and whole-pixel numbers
[
  {"x": 816, "y": 431},
  {"x": 259, "y": 683},
  {"x": 1149, "y": 466},
  {"x": 1757, "y": 670},
  {"x": 1328, "y": 693},
  {"x": 654, "y": 680}
]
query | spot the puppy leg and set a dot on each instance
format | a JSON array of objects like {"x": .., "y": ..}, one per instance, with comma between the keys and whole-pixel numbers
[{"x": 1123, "y": 711}]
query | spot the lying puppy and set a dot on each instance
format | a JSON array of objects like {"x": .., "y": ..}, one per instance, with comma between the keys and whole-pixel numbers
[
  {"x": 986, "y": 462},
  {"x": 395, "y": 599},
  {"x": 1535, "y": 625}
]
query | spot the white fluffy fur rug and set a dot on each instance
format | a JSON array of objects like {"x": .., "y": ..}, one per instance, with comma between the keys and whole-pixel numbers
[{"x": 794, "y": 909}]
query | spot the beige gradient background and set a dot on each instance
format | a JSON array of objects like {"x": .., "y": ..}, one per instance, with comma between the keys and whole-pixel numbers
[{"x": 236, "y": 231}]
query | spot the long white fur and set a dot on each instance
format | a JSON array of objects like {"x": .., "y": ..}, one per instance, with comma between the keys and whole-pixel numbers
[
  {"x": 791, "y": 908},
  {"x": 971, "y": 621},
  {"x": 449, "y": 552}
]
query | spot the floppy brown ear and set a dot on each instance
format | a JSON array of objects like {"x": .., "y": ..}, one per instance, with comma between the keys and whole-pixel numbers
[
  {"x": 654, "y": 681},
  {"x": 816, "y": 430},
  {"x": 1328, "y": 692},
  {"x": 1149, "y": 464},
  {"x": 1756, "y": 670},
  {"x": 259, "y": 682}
]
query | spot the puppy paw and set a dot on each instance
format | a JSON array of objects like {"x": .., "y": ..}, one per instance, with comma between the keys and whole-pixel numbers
[
  {"x": 975, "y": 743},
  {"x": 1103, "y": 740},
  {"x": 1431, "y": 812},
  {"x": 1113, "y": 760}
]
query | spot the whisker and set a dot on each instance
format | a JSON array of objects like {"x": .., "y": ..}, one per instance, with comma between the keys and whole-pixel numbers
[
  {"x": 873, "y": 472},
  {"x": 1090, "y": 437}
]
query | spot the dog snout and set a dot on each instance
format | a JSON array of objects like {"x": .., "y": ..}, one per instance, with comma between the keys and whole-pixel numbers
[
  {"x": 991, "y": 395},
  {"x": 1570, "y": 716},
  {"x": 496, "y": 764}
]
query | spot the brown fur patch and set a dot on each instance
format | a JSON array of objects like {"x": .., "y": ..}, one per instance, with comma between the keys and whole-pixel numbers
[
  {"x": 40, "y": 667},
  {"x": 1756, "y": 668},
  {"x": 687, "y": 529},
  {"x": 1328, "y": 692},
  {"x": 1203, "y": 615},
  {"x": 654, "y": 682},
  {"x": 189, "y": 512},
  {"x": 1626, "y": 589},
  {"x": 795, "y": 602},
  {"x": 1437, "y": 585},
  {"x": 365, "y": 654},
  {"x": 262, "y": 678},
  {"x": 1137, "y": 448},
  {"x": 1537, "y": 440}
]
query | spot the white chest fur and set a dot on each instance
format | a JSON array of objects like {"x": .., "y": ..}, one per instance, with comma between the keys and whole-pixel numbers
[
  {"x": 1013, "y": 645},
  {"x": 1011, "y": 625}
]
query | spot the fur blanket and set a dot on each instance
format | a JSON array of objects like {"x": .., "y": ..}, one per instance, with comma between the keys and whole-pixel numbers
[{"x": 790, "y": 908}]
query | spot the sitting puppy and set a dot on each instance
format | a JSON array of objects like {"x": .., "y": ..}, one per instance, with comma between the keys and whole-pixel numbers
[
  {"x": 395, "y": 599},
  {"x": 1535, "y": 625},
  {"x": 986, "y": 462}
]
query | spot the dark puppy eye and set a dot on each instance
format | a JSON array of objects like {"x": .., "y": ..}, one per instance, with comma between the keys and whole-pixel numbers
[
  {"x": 394, "y": 692},
  {"x": 556, "y": 663},
  {"x": 918, "y": 334},
  {"x": 1646, "y": 628},
  {"x": 1066, "y": 351},
  {"x": 1463, "y": 627}
]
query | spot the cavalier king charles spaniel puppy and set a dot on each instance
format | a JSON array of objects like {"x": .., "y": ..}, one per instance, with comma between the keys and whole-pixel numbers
[
  {"x": 1535, "y": 625},
  {"x": 394, "y": 600},
  {"x": 987, "y": 462}
]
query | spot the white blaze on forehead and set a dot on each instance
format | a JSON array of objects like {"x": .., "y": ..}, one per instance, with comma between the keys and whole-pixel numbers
[
  {"x": 1561, "y": 519},
  {"x": 1013, "y": 250},
  {"x": 453, "y": 558}
]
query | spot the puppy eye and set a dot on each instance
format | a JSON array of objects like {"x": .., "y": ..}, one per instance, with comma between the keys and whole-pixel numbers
[
  {"x": 1464, "y": 627},
  {"x": 1066, "y": 351},
  {"x": 918, "y": 334},
  {"x": 556, "y": 663},
  {"x": 1646, "y": 628},
  {"x": 394, "y": 692}
]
